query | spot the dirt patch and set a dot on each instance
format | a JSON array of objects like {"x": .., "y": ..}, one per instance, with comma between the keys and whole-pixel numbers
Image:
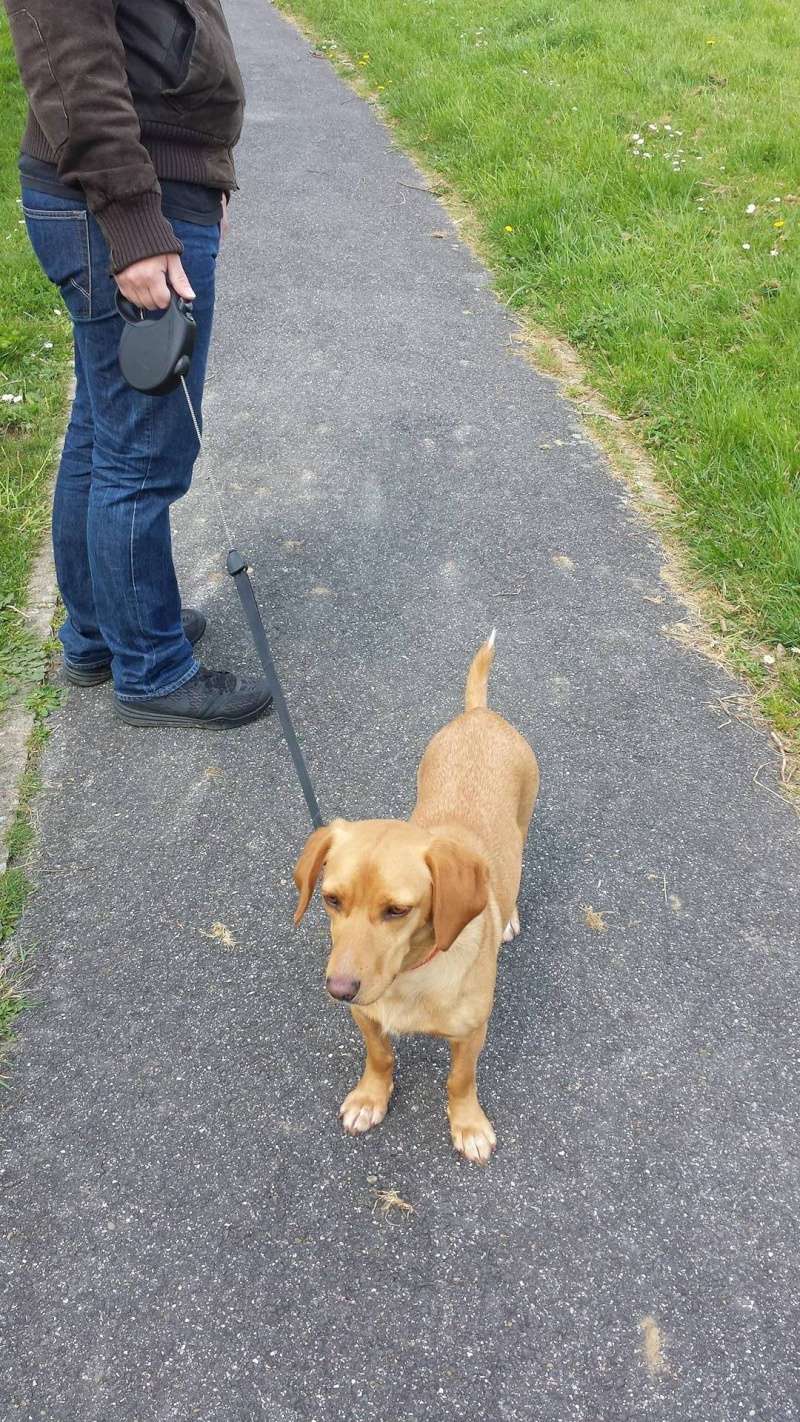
[{"x": 653, "y": 1347}]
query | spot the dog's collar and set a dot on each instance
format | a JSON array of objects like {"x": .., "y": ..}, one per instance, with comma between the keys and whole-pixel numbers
[{"x": 431, "y": 955}]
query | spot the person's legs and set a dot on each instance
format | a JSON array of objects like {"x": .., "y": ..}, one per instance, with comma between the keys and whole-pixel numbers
[
  {"x": 144, "y": 452},
  {"x": 126, "y": 458},
  {"x": 111, "y": 526}
]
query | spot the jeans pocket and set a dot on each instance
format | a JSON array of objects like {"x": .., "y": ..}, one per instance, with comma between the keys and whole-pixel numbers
[{"x": 60, "y": 239}]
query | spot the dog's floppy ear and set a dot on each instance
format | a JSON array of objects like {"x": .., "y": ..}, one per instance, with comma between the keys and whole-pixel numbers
[
  {"x": 460, "y": 889},
  {"x": 306, "y": 870}
]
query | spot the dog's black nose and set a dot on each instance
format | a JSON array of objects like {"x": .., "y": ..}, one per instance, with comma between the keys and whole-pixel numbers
[{"x": 344, "y": 989}]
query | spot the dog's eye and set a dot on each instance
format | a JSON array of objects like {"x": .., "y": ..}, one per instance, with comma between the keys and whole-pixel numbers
[
  {"x": 332, "y": 900},
  {"x": 394, "y": 911}
]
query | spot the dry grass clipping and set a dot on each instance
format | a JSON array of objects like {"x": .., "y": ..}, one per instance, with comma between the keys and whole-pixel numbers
[
  {"x": 593, "y": 919},
  {"x": 221, "y": 934},
  {"x": 736, "y": 707},
  {"x": 388, "y": 1200}
]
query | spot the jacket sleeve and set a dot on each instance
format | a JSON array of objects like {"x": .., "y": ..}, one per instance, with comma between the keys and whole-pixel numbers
[{"x": 72, "y": 64}]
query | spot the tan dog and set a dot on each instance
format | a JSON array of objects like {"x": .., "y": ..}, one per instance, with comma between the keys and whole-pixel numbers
[{"x": 418, "y": 910}]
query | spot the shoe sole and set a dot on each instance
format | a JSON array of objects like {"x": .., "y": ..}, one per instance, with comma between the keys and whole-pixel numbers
[
  {"x": 124, "y": 710},
  {"x": 98, "y": 676},
  {"x": 94, "y": 676}
]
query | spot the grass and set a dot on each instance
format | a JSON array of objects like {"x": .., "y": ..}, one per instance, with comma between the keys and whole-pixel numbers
[
  {"x": 15, "y": 887},
  {"x": 35, "y": 355},
  {"x": 13, "y": 1001},
  {"x": 630, "y": 173},
  {"x": 35, "y": 352}
]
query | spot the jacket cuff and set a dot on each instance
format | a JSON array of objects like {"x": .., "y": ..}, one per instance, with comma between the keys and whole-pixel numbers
[{"x": 135, "y": 229}]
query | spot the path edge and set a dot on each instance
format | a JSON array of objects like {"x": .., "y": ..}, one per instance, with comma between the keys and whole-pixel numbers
[{"x": 17, "y": 721}]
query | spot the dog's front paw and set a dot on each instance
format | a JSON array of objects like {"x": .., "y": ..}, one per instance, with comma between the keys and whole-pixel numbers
[
  {"x": 364, "y": 1108},
  {"x": 473, "y": 1135}
]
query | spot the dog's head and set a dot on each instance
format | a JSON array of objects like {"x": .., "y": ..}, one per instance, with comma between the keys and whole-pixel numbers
[{"x": 392, "y": 893}]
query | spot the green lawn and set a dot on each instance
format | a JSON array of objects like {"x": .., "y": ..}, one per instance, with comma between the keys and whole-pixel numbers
[
  {"x": 35, "y": 347},
  {"x": 634, "y": 173}
]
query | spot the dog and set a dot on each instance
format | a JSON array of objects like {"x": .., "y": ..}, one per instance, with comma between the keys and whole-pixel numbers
[{"x": 419, "y": 909}]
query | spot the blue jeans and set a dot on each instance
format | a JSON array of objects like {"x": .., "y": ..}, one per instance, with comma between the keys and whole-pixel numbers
[{"x": 126, "y": 458}]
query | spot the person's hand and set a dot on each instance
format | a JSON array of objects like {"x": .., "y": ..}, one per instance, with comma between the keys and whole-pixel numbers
[
  {"x": 226, "y": 222},
  {"x": 147, "y": 283}
]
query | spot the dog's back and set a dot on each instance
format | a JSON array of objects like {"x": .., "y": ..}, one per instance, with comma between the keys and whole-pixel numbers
[{"x": 478, "y": 770}]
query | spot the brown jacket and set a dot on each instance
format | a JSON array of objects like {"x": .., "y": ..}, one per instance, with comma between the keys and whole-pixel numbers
[{"x": 123, "y": 92}]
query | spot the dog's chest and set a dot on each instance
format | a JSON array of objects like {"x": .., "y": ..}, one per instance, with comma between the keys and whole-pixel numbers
[
  {"x": 401, "y": 1013},
  {"x": 449, "y": 997}
]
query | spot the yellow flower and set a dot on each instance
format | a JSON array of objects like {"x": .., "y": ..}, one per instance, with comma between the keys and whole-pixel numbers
[
  {"x": 508, "y": 229},
  {"x": 781, "y": 222},
  {"x": 381, "y": 88},
  {"x": 711, "y": 40}
]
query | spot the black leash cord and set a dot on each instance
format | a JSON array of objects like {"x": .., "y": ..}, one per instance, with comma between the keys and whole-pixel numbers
[
  {"x": 238, "y": 570},
  {"x": 154, "y": 356}
]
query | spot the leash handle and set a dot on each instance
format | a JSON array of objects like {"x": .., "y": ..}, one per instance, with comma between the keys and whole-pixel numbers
[
  {"x": 237, "y": 568},
  {"x": 155, "y": 351}
]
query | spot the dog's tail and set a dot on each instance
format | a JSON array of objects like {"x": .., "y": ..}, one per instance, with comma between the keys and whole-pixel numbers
[{"x": 478, "y": 675}]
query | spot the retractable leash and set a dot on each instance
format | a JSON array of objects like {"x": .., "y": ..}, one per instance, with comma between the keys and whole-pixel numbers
[{"x": 154, "y": 357}]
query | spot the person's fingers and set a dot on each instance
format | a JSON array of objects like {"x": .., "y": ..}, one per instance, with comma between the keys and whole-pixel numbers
[
  {"x": 146, "y": 289},
  {"x": 149, "y": 296},
  {"x": 178, "y": 279},
  {"x": 126, "y": 286},
  {"x": 147, "y": 283},
  {"x": 139, "y": 294},
  {"x": 158, "y": 293}
]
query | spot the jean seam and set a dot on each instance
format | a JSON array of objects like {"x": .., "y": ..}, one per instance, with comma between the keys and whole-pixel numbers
[
  {"x": 46, "y": 215},
  {"x": 139, "y": 492},
  {"x": 165, "y": 690},
  {"x": 88, "y": 259}
]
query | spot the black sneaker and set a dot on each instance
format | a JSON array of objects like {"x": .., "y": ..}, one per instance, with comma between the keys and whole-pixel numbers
[
  {"x": 194, "y": 625},
  {"x": 210, "y": 698}
]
